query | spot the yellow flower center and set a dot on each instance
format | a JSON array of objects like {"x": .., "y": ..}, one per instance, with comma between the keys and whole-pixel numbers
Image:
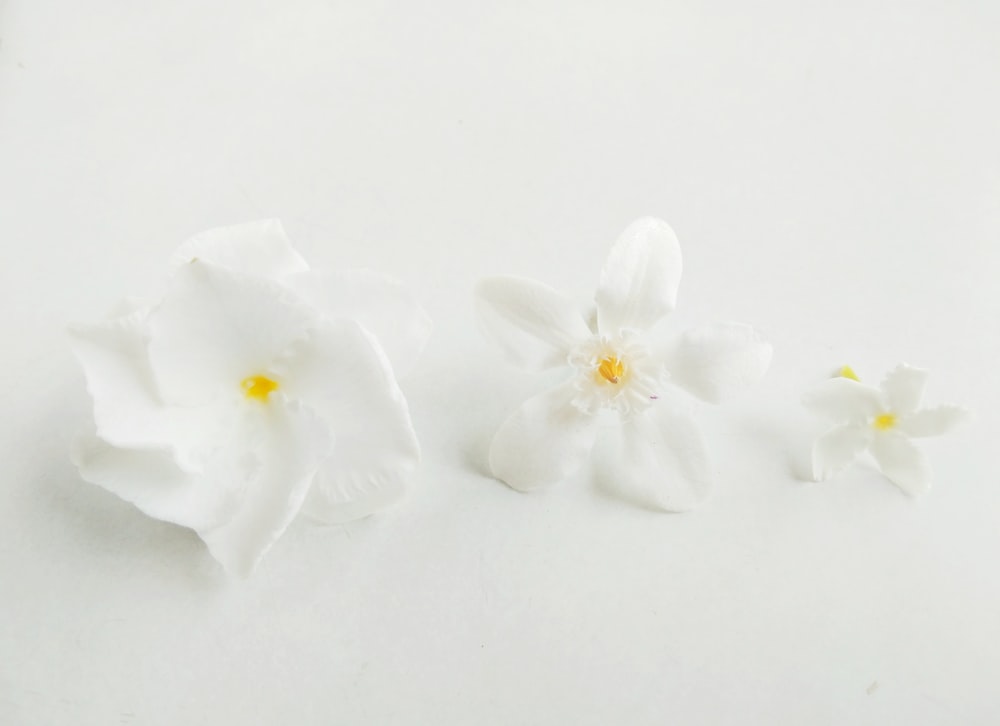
[
  {"x": 611, "y": 369},
  {"x": 884, "y": 421},
  {"x": 258, "y": 387}
]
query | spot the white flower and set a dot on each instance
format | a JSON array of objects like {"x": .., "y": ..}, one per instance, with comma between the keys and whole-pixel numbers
[
  {"x": 254, "y": 389},
  {"x": 881, "y": 420},
  {"x": 618, "y": 369}
]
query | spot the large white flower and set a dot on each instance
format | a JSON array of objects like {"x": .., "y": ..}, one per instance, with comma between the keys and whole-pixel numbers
[
  {"x": 619, "y": 371},
  {"x": 880, "y": 420},
  {"x": 254, "y": 389}
]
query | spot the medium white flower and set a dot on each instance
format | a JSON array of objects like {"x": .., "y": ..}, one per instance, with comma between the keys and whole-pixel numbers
[
  {"x": 254, "y": 389},
  {"x": 880, "y": 420},
  {"x": 618, "y": 372}
]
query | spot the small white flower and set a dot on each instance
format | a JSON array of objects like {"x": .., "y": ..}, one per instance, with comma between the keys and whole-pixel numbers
[
  {"x": 881, "y": 420},
  {"x": 619, "y": 371},
  {"x": 254, "y": 389}
]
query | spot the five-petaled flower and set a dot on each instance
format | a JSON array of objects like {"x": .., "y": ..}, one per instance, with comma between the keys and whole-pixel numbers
[
  {"x": 881, "y": 420},
  {"x": 255, "y": 389},
  {"x": 619, "y": 372}
]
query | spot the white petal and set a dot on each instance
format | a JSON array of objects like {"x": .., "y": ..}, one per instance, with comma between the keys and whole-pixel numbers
[
  {"x": 660, "y": 460},
  {"x": 128, "y": 410},
  {"x": 381, "y": 304},
  {"x": 115, "y": 361},
  {"x": 717, "y": 361},
  {"x": 240, "y": 504},
  {"x": 151, "y": 480},
  {"x": 534, "y": 325},
  {"x": 216, "y": 327},
  {"x": 933, "y": 421},
  {"x": 841, "y": 400},
  {"x": 837, "y": 448},
  {"x": 255, "y": 248},
  {"x": 904, "y": 387},
  {"x": 543, "y": 441},
  {"x": 639, "y": 281},
  {"x": 341, "y": 373},
  {"x": 902, "y": 462},
  {"x": 263, "y": 476}
]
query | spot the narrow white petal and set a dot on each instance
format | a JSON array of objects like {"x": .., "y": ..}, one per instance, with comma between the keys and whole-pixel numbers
[
  {"x": 717, "y": 361},
  {"x": 902, "y": 462},
  {"x": 639, "y": 281},
  {"x": 904, "y": 387},
  {"x": 841, "y": 400},
  {"x": 534, "y": 325},
  {"x": 341, "y": 373},
  {"x": 543, "y": 441},
  {"x": 263, "y": 476},
  {"x": 658, "y": 459},
  {"x": 258, "y": 248},
  {"x": 933, "y": 421},
  {"x": 216, "y": 327},
  {"x": 837, "y": 448},
  {"x": 381, "y": 304},
  {"x": 151, "y": 480}
]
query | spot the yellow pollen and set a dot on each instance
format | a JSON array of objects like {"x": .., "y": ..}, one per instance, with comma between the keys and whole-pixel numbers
[
  {"x": 611, "y": 369},
  {"x": 884, "y": 421},
  {"x": 848, "y": 372},
  {"x": 258, "y": 387}
]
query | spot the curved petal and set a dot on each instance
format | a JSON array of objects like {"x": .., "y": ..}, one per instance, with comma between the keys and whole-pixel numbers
[
  {"x": 216, "y": 327},
  {"x": 933, "y": 421},
  {"x": 717, "y": 361},
  {"x": 341, "y": 373},
  {"x": 543, "y": 441},
  {"x": 639, "y": 281},
  {"x": 902, "y": 462},
  {"x": 258, "y": 248},
  {"x": 262, "y": 477},
  {"x": 128, "y": 410},
  {"x": 381, "y": 304},
  {"x": 115, "y": 361},
  {"x": 837, "y": 448},
  {"x": 534, "y": 325},
  {"x": 248, "y": 493},
  {"x": 841, "y": 400},
  {"x": 659, "y": 460},
  {"x": 150, "y": 479},
  {"x": 904, "y": 387}
]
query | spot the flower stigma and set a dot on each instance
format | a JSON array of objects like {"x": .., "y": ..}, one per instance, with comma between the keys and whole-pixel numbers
[
  {"x": 611, "y": 369},
  {"x": 848, "y": 372},
  {"x": 258, "y": 387},
  {"x": 884, "y": 421},
  {"x": 615, "y": 373}
]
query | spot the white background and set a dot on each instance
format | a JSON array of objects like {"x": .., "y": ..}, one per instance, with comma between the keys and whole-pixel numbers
[{"x": 833, "y": 172}]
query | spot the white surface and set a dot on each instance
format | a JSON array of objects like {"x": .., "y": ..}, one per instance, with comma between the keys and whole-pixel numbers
[{"x": 833, "y": 173}]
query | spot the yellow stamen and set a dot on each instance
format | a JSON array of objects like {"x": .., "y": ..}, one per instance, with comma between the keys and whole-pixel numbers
[
  {"x": 258, "y": 387},
  {"x": 884, "y": 421},
  {"x": 611, "y": 369},
  {"x": 848, "y": 372}
]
